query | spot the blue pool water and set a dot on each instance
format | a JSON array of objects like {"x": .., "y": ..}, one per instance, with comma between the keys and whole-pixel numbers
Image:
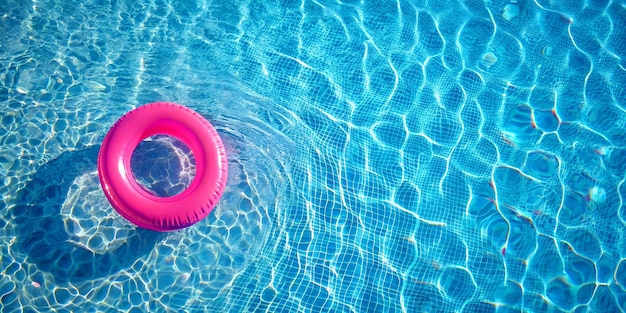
[{"x": 385, "y": 156}]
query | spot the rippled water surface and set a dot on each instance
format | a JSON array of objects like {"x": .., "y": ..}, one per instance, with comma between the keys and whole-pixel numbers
[{"x": 408, "y": 156}]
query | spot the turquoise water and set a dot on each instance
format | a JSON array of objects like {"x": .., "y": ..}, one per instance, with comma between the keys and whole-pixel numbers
[{"x": 409, "y": 156}]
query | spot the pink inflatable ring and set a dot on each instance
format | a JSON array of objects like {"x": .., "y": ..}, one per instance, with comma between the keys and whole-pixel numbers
[{"x": 135, "y": 203}]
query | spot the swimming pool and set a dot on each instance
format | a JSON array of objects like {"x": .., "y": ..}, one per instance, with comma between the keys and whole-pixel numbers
[{"x": 409, "y": 156}]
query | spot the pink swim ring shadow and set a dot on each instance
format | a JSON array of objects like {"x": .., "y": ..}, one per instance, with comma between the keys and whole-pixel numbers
[{"x": 136, "y": 204}]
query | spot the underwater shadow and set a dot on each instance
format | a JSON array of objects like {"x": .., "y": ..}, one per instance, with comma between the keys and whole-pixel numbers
[{"x": 41, "y": 234}]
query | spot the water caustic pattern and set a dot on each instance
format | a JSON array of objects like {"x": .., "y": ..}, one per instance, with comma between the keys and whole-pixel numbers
[{"x": 409, "y": 156}]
